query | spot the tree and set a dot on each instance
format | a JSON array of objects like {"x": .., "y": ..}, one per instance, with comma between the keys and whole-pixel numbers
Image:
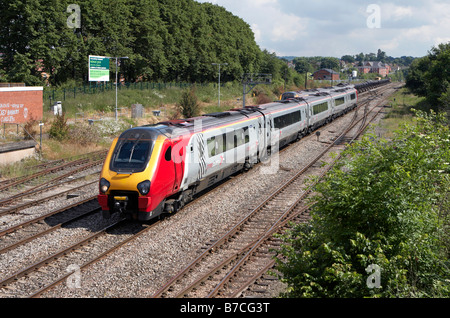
[
  {"x": 430, "y": 76},
  {"x": 381, "y": 56},
  {"x": 416, "y": 80},
  {"x": 384, "y": 204},
  {"x": 302, "y": 65},
  {"x": 189, "y": 105},
  {"x": 348, "y": 59},
  {"x": 170, "y": 40},
  {"x": 330, "y": 62}
]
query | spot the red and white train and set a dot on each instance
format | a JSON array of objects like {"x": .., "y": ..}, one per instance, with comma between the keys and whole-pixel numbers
[{"x": 155, "y": 169}]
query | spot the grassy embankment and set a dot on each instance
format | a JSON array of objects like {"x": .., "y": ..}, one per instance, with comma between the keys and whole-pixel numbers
[
  {"x": 402, "y": 103},
  {"x": 101, "y": 106}
]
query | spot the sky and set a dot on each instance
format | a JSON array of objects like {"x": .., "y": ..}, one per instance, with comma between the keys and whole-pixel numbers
[{"x": 344, "y": 27}]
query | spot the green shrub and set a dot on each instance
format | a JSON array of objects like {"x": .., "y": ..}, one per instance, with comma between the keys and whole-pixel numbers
[
  {"x": 83, "y": 134},
  {"x": 59, "y": 129},
  {"x": 188, "y": 105},
  {"x": 384, "y": 204}
]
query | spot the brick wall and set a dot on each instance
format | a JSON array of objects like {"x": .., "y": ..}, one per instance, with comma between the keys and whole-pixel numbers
[
  {"x": 325, "y": 75},
  {"x": 19, "y": 104}
]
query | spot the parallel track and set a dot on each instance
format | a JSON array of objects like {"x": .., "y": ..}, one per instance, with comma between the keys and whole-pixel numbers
[
  {"x": 215, "y": 273},
  {"x": 258, "y": 218}
]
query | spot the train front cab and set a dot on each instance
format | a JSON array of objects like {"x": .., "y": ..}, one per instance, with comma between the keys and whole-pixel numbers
[{"x": 139, "y": 173}]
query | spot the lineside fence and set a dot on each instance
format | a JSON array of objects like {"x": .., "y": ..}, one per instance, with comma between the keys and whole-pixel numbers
[{"x": 61, "y": 94}]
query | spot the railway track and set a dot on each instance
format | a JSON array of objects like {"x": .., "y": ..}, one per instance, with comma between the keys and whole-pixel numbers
[
  {"x": 105, "y": 241},
  {"x": 41, "y": 173},
  {"x": 244, "y": 254}
]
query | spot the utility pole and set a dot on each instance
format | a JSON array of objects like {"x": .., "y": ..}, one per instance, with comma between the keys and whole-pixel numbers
[
  {"x": 117, "y": 68},
  {"x": 219, "y": 76}
]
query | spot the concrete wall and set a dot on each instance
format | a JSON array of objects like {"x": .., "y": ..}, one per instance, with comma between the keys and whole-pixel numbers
[{"x": 14, "y": 152}]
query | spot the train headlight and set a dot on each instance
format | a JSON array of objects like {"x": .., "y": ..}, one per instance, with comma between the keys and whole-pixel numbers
[
  {"x": 104, "y": 185},
  {"x": 144, "y": 187}
]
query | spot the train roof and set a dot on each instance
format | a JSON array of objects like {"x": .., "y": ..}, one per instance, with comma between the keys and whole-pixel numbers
[
  {"x": 222, "y": 119},
  {"x": 205, "y": 122}
]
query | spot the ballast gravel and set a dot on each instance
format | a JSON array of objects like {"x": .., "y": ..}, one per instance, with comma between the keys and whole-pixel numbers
[{"x": 139, "y": 268}]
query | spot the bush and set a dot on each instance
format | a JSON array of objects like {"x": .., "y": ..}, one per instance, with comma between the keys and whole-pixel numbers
[
  {"x": 384, "y": 204},
  {"x": 59, "y": 129},
  {"x": 30, "y": 129},
  {"x": 188, "y": 105},
  {"x": 83, "y": 135}
]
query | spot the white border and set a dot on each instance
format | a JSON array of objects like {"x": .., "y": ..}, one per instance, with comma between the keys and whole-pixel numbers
[{"x": 20, "y": 89}]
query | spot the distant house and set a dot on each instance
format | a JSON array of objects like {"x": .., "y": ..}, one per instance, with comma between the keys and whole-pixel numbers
[
  {"x": 326, "y": 74},
  {"x": 375, "y": 67}
]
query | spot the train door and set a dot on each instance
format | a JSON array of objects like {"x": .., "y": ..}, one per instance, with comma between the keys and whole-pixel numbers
[
  {"x": 175, "y": 153},
  {"x": 197, "y": 161},
  {"x": 268, "y": 132},
  {"x": 261, "y": 134}
]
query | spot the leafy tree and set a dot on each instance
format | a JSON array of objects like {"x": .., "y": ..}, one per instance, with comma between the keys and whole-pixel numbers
[
  {"x": 348, "y": 59},
  {"x": 415, "y": 80},
  {"x": 381, "y": 56},
  {"x": 385, "y": 204},
  {"x": 302, "y": 65},
  {"x": 330, "y": 62},
  {"x": 430, "y": 76},
  {"x": 59, "y": 129},
  {"x": 170, "y": 40}
]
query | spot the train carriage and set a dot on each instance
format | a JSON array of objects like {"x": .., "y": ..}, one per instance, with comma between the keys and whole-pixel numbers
[{"x": 155, "y": 169}]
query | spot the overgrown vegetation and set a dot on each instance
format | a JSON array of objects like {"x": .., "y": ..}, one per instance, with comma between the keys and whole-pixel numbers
[
  {"x": 384, "y": 206},
  {"x": 430, "y": 77},
  {"x": 189, "y": 106},
  {"x": 59, "y": 129}
]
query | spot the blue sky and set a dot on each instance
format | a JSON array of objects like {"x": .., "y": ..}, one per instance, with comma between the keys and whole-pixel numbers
[{"x": 336, "y": 28}]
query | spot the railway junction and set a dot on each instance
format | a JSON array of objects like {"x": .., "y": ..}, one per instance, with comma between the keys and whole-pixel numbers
[{"x": 54, "y": 242}]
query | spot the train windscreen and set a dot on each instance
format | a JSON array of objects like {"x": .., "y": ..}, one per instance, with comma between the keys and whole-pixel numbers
[
  {"x": 288, "y": 95},
  {"x": 132, "y": 152}
]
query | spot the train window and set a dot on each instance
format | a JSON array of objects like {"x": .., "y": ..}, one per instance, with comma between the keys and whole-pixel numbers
[
  {"x": 353, "y": 96},
  {"x": 230, "y": 142},
  {"x": 247, "y": 135},
  {"x": 225, "y": 142},
  {"x": 287, "y": 120},
  {"x": 320, "y": 108},
  {"x": 240, "y": 137},
  {"x": 168, "y": 155},
  {"x": 220, "y": 144},
  {"x": 212, "y": 146},
  {"x": 339, "y": 101}
]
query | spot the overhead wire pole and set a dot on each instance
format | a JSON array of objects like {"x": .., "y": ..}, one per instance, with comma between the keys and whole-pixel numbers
[
  {"x": 219, "y": 76},
  {"x": 252, "y": 80}
]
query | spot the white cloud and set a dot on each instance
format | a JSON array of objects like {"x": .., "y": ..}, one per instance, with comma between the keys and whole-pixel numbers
[
  {"x": 394, "y": 12},
  {"x": 336, "y": 28},
  {"x": 257, "y": 32}
]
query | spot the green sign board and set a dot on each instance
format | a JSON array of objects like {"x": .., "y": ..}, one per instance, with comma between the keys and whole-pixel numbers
[{"x": 98, "y": 69}]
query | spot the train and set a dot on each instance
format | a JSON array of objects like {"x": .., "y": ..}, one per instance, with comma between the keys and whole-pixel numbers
[{"x": 156, "y": 169}]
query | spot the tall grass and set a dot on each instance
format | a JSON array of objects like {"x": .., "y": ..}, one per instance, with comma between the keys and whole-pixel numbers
[
  {"x": 151, "y": 99},
  {"x": 402, "y": 103}
]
